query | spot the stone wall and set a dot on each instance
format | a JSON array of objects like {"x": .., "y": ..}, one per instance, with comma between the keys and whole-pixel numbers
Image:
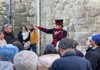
[
  {"x": 22, "y": 13},
  {"x": 3, "y": 11},
  {"x": 81, "y": 17}
]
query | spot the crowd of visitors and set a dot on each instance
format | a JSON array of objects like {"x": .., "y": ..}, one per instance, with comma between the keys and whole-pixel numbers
[{"x": 61, "y": 54}]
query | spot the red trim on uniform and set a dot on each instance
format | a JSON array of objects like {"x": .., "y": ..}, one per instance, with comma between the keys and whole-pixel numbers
[{"x": 59, "y": 23}]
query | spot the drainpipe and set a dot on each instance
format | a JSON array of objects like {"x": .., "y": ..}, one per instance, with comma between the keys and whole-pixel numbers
[
  {"x": 9, "y": 12},
  {"x": 38, "y": 24}
]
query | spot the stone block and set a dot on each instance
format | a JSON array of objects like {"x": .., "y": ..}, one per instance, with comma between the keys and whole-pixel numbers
[
  {"x": 85, "y": 21},
  {"x": 95, "y": 28},
  {"x": 5, "y": 13},
  {"x": 77, "y": 28},
  {"x": 90, "y": 21},
  {"x": 89, "y": 7},
  {"x": 80, "y": 28},
  {"x": 71, "y": 5},
  {"x": 84, "y": 28},
  {"x": 1, "y": 9},
  {"x": 66, "y": 1},
  {"x": 94, "y": 13},
  {"x": 0, "y": 12},
  {"x": 80, "y": 2},
  {"x": 66, "y": 21},
  {"x": 4, "y": 4},
  {"x": 71, "y": 28},
  {"x": 79, "y": 35},
  {"x": 79, "y": 15},
  {"x": 98, "y": 20},
  {"x": 81, "y": 21}
]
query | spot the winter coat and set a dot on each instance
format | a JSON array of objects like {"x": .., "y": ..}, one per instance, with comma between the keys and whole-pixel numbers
[
  {"x": 34, "y": 37},
  {"x": 8, "y": 37},
  {"x": 70, "y": 61},
  {"x": 94, "y": 57},
  {"x": 21, "y": 38}
]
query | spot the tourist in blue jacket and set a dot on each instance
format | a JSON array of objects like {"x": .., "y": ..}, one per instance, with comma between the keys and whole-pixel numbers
[{"x": 69, "y": 60}]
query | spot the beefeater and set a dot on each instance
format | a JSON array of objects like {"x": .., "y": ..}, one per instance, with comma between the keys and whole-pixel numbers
[{"x": 58, "y": 33}]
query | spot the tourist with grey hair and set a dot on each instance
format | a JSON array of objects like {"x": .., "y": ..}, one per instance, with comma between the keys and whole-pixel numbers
[
  {"x": 26, "y": 60},
  {"x": 8, "y": 33},
  {"x": 69, "y": 60},
  {"x": 75, "y": 43}
]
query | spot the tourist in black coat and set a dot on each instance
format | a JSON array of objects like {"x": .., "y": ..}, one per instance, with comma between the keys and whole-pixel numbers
[
  {"x": 22, "y": 34},
  {"x": 94, "y": 53},
  {"x": 8, "y": 33}
]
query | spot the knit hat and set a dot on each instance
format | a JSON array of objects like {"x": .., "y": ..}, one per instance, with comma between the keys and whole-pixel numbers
[
  {"x": 8, "y": 51},
  {"x": 26, "y": 60}
]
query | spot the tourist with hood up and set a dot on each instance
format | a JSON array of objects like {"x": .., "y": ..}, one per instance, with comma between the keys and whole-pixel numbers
[{"x": 7, "y": 53}]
